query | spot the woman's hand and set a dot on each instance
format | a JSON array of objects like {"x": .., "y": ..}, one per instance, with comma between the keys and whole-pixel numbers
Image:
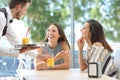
[
  {"x": 80, "y": 43},
  {"x": 42, "y": 57},
  {"x": 61, "y": 54},
  {"x": 41, "y": 65}
]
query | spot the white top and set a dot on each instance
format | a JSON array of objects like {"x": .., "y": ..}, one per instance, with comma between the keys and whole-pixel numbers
[
  {"x": 11, "y": 36},
  {"x": 100, "y": 54}
]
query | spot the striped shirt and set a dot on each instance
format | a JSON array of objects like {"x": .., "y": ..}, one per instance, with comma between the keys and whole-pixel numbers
[{"x": 100, "y": 54}]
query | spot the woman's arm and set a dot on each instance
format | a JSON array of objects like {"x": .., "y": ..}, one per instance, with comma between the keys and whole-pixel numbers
[
  {"x": 81, "y": 61},
  {"x": 65, "y": 55},
  {"x": 38, "y": 63}
]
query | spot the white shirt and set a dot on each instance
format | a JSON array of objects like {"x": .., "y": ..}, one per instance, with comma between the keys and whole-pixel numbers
[{"x": 11, "y": 37}]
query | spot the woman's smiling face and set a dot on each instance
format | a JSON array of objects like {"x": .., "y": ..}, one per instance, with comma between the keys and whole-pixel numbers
[{"x": 53, "y": 33}]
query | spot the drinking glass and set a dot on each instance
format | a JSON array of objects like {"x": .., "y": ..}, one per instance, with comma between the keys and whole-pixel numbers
[
  {"x": 50, "y": 61},
  {"x": 25, "y": 41}
]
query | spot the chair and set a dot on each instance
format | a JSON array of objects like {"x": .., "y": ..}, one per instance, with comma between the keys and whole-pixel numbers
[
  {"x": 117, "y": 62},
  {"x": 25, "y": 62}
]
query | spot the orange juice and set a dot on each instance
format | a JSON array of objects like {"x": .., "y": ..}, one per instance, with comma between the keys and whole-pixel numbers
[
  {"x": 50, "y": 62},
  {"x": 25, "y": 41}
]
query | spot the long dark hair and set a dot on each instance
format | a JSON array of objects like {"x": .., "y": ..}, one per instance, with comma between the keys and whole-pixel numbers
[
  {"x": 97, "y": 34},
  {"x": 13, "y": 3},
  {"x": 61, "y": 32}
]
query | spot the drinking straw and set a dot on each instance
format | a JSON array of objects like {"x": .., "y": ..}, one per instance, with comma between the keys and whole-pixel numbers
[
  {"x": 27, "y": 32},
  {"x": 48, "y": 55}
]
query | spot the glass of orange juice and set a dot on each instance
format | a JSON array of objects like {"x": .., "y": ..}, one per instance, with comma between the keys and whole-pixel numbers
[
  {"x": 50, "y": 61},
  {"x": 25, "y": 40}
]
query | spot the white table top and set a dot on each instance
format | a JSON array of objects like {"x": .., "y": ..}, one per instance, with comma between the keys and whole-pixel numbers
[{"x": 72, "y": 74}]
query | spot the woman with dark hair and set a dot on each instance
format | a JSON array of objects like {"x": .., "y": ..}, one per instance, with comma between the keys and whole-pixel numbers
[
  {"x": 98, "y": 49},
  {"x": 58, "y": 46}
]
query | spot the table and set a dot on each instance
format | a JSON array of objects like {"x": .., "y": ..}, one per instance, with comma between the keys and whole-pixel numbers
[{"x": 72, "y": 74}]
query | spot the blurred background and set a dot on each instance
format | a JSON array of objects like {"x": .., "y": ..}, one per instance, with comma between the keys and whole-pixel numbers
[{"x": 71, "y": 15}]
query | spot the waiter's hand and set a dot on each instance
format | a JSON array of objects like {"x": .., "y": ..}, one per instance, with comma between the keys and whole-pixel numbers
[{"x": 25, "y": 49}]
